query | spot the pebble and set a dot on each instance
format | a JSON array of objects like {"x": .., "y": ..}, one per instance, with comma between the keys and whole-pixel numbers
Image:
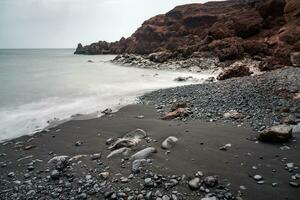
[
  {"x": 78, "y": 143},
  {"x": 96, "y": 156},
  {"x": 257, "y": 177},
  {"x": 142, "y": 154},
  {"x": 209, "y": 198},
  {"x": 211, "y": 181},
  {"x": 55, "y": 174},
  {"x": 169, "y": 142},
  {"x": 294, "y": 184},
  {"x": 148, "y": 182},
  {"x": 225, "y": 147},
  {"x": 194, "y": 184},
  {"x": 274, "y": 184},
  {"x": 11, "y": 175}
]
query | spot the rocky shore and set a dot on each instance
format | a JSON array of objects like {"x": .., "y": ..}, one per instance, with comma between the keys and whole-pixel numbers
[
  {"x": 157, "y": 61},
  {"x": 257, "y": 101},
  {"x": 132, "y": 154}
]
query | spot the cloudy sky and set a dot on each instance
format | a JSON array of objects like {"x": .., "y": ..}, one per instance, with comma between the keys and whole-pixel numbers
[{"x": 64, "y": 23}]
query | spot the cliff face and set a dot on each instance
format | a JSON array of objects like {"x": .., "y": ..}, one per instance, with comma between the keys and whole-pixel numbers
[{"x": 267, "y": 29}]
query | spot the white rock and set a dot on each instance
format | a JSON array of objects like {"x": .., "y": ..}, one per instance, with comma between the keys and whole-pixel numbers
[
  {"x": 124, "y": 151},
  {"x": 258, "y": 177},
  {"x": 58, "y": 158},
  {"x": 209, "y": 198},
  {"x": 169, "y": 142},
  {"x": 142, "y": 154}
]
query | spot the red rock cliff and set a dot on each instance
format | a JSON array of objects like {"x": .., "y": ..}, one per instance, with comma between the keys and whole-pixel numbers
[{"x": 267, "y": 29}]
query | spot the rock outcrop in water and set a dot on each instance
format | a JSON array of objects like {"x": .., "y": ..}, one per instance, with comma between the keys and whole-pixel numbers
[{"x": 268, "y": 30}]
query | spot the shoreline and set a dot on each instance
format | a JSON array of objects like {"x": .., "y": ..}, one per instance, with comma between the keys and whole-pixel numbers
[
  {"x": 257, "y": 102},
  {"x": 213, "y": 158},
  {"x": 197, "y": 149},
  {"x": 161, "y": 78}
]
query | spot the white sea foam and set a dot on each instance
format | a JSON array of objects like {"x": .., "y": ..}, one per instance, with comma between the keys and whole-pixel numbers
[{"x": 80, "y": 88}]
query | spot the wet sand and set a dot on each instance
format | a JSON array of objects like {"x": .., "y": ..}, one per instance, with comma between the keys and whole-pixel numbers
[{"x": 196, "y": 150}]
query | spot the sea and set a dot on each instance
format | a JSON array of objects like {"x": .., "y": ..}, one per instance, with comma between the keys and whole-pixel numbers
[{"x": 39, "y": 87}]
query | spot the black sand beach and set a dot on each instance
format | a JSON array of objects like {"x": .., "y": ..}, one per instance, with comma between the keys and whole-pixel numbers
[{"x": 198, "y": 149}]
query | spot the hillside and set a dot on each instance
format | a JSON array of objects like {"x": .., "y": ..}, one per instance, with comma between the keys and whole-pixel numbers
[{"x": 265, "y": 30}]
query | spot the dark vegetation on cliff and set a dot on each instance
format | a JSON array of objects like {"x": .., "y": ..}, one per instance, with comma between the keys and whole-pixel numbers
[{"x": 266, "y": 30}]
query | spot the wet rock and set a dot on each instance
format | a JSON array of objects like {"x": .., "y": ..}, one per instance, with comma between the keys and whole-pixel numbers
[
  {"x": 184, "y": 79},
  {"x": 210, "y": 79},
  {"x": 142, "y": 154},
  {"x": 107, "y": 111},
  {"x": 280, "y": 133},
  {"x": 169, "y": 142},
  {"x": 194, "y": 184}
]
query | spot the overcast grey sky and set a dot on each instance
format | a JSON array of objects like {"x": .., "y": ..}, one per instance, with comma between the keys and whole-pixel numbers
[{"x": 64, "y": 23}]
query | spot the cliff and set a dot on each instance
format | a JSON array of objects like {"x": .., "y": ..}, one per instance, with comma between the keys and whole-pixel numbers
[{"x": 268, "y": 30}]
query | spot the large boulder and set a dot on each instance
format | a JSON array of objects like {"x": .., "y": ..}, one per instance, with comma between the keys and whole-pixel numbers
[
  {"x": 160, "y": 57},
  {"x": 238, "y": 70},
  {"x": 280, "y": 133}
]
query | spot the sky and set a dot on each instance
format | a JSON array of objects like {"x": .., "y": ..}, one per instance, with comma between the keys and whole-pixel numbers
[{"x": 65, "y": 23}]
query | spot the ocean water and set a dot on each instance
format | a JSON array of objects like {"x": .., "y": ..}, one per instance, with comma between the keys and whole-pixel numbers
[{"x": 38, "y": 86}]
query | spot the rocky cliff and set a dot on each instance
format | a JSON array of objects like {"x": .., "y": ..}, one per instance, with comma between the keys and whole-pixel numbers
[{"x": 267, "y": 30}]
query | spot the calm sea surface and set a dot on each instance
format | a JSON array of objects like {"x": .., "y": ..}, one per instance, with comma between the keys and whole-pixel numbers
[{"x": 40, "y": 85}]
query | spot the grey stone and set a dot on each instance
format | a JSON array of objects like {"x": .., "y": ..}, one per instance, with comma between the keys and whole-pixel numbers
[
  {"x": 194, "y": 184},
  {"x": 169, "y": 142}
]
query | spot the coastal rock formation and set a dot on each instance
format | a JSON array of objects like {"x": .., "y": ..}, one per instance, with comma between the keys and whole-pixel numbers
[{"x": 229, "y": 30}]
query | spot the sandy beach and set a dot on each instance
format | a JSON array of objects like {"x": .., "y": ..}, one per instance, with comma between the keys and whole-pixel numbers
[{"x": 25, "y": 164}]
